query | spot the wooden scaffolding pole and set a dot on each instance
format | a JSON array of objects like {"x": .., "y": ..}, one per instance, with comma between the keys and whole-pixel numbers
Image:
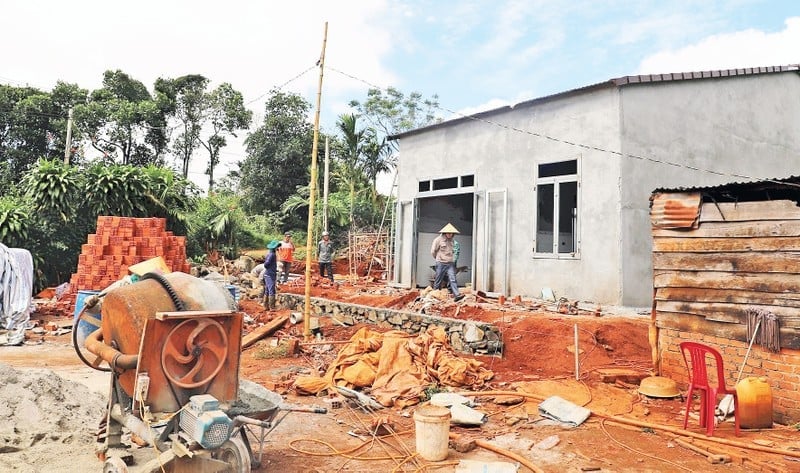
[{"x": 312, "y": 194}]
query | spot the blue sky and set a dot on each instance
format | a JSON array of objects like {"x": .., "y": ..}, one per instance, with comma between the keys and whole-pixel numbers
[{"x": 475, "y": 55}]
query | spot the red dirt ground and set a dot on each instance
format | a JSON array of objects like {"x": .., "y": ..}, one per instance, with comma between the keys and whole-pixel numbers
[{"x": 537, "y": 355}]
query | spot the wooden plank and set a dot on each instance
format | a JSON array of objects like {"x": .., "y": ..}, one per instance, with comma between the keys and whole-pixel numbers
[
  {"x": 264, "y": 331},
  {"x": 763, "y": 282},
  {"x": 763, "y": 262},
  {"x": 714, "y": 245},
  {"x": 735, "y": 296},
  {"x": 757, "y": 229},
  {"x": 749, "y": 211},
  {"x": 694, "y": 324},
  {"x": 729, "y": 313},
  {"x": 790, "y": 338}
]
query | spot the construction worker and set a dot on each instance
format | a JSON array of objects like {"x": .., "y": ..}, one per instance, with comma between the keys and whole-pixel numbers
[
  {"x": 285, "y": 256},
  {"x": 270, "y": 275},
  {"x": 443, "y": 252},
  {"x": 325, "y": 256}
]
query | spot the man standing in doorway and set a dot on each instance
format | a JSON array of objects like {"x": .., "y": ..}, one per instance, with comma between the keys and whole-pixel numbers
[
  {"x": 325, "y": 256},
  {"x": 285, "y": 256},
  {"x": 443, "y": 251}
]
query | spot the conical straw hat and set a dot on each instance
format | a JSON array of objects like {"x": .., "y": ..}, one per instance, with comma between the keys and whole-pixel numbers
[{"x": 449, "y": 228}]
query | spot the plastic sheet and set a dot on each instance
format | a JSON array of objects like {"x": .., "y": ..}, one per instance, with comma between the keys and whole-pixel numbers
[{"x": 16, "y": 288}]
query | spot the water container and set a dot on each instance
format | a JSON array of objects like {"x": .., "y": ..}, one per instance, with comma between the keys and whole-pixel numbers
[
  {"x": 433, "y": 432},
  {"x": 91, "y": 317},
  {"x": 234, "y": 292},
  {"x": 755, "y": 403}
]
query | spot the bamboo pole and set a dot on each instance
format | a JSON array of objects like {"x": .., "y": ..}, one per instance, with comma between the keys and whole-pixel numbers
[{"x": 312, "y": 194}]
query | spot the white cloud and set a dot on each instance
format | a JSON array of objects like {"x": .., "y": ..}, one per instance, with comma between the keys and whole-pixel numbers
[
  {"x": 748, "y": 48},
  {"x": 252, "y": 44}
]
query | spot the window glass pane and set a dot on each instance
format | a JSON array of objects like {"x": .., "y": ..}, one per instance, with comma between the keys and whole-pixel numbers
[
  {"x": 544, "y": 218},
  {"x": 467, "y": 181},
  {"x": 424, "y": 186},
  {"x": 567, "y": 216},
  {"x": 563, "y": 168},
  {"x": 449, "y": 183}
]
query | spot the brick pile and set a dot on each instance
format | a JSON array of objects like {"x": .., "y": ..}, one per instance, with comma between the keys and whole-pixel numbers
[{"x": 120, "y": 242}]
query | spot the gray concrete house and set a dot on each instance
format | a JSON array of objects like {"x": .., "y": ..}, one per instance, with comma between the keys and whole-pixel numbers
[{"x": 554, "y": 192}]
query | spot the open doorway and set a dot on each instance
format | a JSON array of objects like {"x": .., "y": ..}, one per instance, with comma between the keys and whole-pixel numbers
[{"x": 433, "y": 214}]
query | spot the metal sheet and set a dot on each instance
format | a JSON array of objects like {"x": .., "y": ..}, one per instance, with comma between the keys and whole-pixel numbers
[{"x": 675, "y": 210}]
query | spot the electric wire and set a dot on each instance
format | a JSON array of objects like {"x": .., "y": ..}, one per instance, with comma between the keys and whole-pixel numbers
[
  {"x": 301, "y": 74},
  {"x": 587, "y": 147},
  {"x": 605, "y": 431}
]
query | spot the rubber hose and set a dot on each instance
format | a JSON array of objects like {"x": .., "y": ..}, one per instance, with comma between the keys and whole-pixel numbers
[
  {"x": 94, "y": 343},
  {"x": 179, "y": 305},
  {"x": 78, "y": 349}
]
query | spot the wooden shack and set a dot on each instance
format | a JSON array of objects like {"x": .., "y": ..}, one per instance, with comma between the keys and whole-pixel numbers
[{"x": 725, "y": 258}]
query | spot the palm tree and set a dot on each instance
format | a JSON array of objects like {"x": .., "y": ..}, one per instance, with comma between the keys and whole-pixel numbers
[
  {"x": 377, "y": 158},
  {"x": 351, "y": 169}
]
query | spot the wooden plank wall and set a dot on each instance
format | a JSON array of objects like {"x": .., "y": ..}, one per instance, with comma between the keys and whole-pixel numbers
[{"x": 742, "y": 255}]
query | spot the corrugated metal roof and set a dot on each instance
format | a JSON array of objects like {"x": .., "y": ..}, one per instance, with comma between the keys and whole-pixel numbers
[
  {"x": 791, "y": 182},
  {"x": 748, "y": 71},
  {"x": 675, "y": 210},
  {"x": 617, "y": 82}
]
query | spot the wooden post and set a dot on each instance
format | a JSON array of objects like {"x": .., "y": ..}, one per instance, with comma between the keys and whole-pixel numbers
[{"x": 312, "y": 194}]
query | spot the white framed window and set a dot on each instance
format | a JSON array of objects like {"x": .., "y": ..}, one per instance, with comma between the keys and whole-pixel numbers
[{"x": 557, "y": 214}]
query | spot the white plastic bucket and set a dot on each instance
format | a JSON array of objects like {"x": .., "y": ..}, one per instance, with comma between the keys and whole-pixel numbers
[{"x": 432, "y": 430}]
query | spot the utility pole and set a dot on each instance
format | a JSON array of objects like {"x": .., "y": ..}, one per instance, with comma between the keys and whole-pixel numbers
[
  {"x": 325, "y": 184},
  {"x": 68, "y": 145},
  {"x": 312, "y": 194}
]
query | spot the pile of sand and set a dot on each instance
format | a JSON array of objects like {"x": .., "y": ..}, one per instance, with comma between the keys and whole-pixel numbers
[{"x": 47, "y": 423}]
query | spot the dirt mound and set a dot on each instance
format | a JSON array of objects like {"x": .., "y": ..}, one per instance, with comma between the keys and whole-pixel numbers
[{"x": 46, "y": 422}]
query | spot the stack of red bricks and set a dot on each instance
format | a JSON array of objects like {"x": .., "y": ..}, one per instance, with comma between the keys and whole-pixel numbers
[{"x": 120, "y": 242}]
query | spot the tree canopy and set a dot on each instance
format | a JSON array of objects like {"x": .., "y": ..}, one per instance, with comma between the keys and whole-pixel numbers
[{"x": 278, "y": 154}]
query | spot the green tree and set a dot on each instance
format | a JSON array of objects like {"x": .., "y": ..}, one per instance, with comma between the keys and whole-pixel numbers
[
  {"x": 14, "y": 221},
  {"x": 392, "y": 112},
  {"x": 64, "y": 202},
  {"x": 377, "y": 158},
  {"x": 219, "y": 227},
  {"x": 118, "y": 118},
  {"x": 278, "y": 155},
  {"x": 225, "y": 114},
  {"x": 30, "y": 126},
  {"x": 188, "y": 95},
  {"x": 349, "y": 168}
]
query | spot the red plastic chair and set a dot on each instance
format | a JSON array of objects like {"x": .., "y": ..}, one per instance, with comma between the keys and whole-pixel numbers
[{"x": 698, "y": 375}]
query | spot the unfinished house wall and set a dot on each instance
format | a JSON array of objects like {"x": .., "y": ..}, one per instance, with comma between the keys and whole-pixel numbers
[
  {"x": 630, "y": 135},
  {"x": 734, "y": 126},
  {"x": 503, "y": 151},
  {"x": 729, "y": 259}
]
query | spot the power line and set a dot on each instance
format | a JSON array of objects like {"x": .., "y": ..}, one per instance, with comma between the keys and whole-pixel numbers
[
  {"x": 282, "y": 85},
  {"x": 582, "y": 145}
]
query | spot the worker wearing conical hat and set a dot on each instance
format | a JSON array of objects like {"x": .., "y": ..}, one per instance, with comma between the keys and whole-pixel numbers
[{"x": 443, "y": 251}]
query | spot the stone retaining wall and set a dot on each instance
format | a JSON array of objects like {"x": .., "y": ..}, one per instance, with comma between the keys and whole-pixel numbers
[{"x": 465, "y": 336}]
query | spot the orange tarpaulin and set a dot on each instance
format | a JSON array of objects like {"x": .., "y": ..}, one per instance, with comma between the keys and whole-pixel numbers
[{"x": 397, "y": 366}]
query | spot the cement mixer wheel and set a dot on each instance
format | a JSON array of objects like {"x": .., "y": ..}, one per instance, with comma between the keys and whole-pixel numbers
[
  {"x": 115, "y": 465},
  {"x": 235, "y": 453}
]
